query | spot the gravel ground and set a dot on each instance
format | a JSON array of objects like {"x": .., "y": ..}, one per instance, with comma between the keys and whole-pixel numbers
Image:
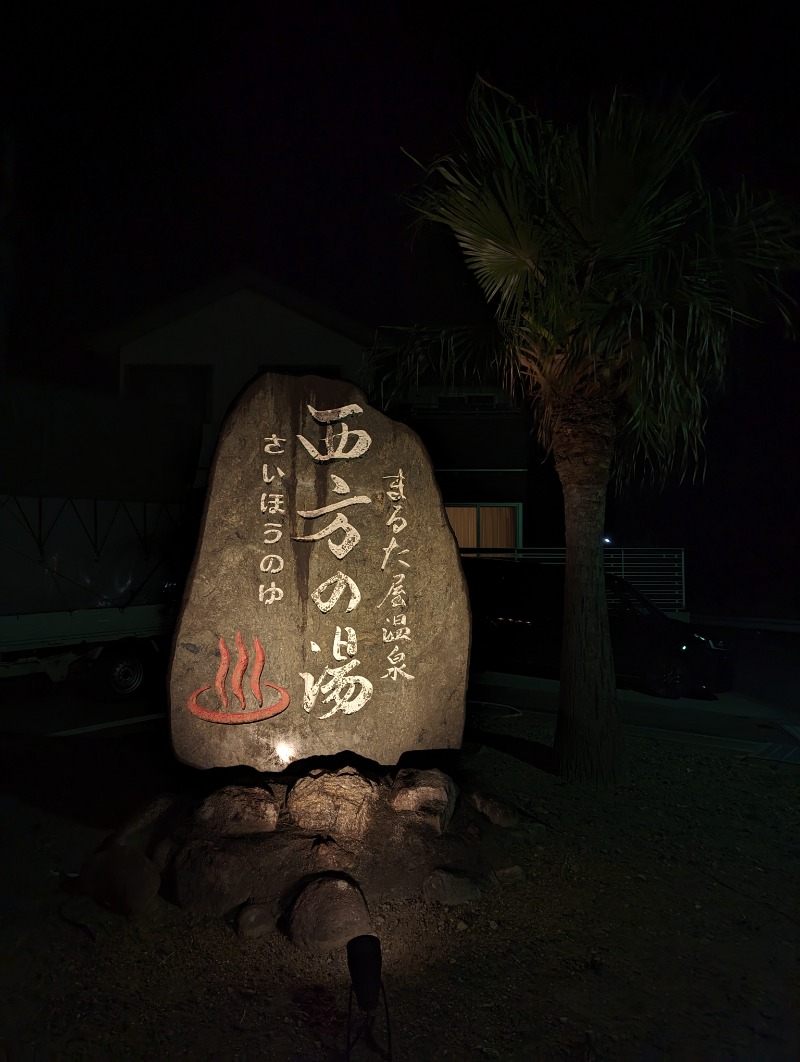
[{"x": 658, "y": 921}]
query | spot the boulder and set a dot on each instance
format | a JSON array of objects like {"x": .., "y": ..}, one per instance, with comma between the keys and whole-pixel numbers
[
  {"x": 328, "y": 913},
  {"x": 239, "y": 809},
  {"x": 211, "y": 879},
  {"x": 333, "y": 804},
  {"x": 255, "y": 920},
  {"x": 450, "y": 887},
  {"x": 496, "y": 810},
  {"x": 429, "y": 795},
  {"x": 329, "y": 854},
  {"x": 144, "y": 828},
  {"x": 510, "y": 875},
  {"x": 326, "y": 610}
]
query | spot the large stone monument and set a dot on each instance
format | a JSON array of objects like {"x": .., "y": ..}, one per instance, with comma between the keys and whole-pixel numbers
[{"x": 326, "y": 609}]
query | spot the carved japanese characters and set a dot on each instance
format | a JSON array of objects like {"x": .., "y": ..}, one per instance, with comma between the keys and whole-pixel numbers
[{"x": 326, "y": 609}]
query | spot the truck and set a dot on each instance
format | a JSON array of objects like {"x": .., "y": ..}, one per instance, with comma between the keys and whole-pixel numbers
[{"x": 98, "y": 517}]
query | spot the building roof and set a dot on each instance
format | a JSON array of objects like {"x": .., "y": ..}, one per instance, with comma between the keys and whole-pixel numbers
[{"x": 174, "y": 309}]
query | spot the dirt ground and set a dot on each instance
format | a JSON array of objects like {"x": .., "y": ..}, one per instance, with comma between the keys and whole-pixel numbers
[{"x": 656, "y": 922}]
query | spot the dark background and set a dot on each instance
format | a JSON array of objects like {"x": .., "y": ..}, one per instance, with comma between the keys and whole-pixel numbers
[{"x": 155, "y": 147}]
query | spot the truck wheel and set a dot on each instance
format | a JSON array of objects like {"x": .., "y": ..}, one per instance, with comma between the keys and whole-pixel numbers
[
  {"x": 666, "y": 678},
  {"x": 124, "y": 670}
]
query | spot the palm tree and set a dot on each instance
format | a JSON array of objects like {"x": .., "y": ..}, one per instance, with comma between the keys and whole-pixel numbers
[{"x": 616, "y": 278}]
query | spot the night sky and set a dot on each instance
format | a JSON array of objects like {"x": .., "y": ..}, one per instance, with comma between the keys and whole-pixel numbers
[{"x": 158, "y": 146}]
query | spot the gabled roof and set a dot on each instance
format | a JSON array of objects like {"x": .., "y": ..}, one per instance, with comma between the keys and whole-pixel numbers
[{"x": 243, "y": 280}]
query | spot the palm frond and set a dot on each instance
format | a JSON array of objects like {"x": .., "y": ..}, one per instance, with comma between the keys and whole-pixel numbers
[
  {"x": 404, "y": 358},
  {"x": 610, "y": 267}
]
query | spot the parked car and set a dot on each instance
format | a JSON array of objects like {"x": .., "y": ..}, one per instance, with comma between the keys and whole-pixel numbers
[{"x": 517, "y": 616}]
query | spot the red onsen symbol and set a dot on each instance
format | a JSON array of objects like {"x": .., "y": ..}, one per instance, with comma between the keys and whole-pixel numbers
[{"x": 226, "y": 716}]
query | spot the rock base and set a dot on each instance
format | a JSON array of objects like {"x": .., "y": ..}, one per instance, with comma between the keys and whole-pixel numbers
[{"x": 310, "y": 855}]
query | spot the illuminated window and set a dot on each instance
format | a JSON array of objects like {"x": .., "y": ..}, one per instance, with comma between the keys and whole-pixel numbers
[{"x": 486, "y": 526}]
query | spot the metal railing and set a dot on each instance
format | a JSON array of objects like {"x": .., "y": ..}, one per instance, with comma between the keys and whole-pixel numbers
[{"x": 658, "y": 573}]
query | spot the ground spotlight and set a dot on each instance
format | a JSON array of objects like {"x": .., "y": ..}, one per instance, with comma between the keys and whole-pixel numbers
[{"x": 364, "y": 962}]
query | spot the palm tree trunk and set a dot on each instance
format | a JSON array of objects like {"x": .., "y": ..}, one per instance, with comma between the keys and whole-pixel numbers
[{"x": 588, "y": 741}]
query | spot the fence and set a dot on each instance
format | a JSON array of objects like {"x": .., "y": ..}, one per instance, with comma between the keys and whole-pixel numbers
[{"x": 658, "y": 573}]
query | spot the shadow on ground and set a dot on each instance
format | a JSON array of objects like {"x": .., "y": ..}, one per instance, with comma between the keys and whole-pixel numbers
[{"x": 532, "y": 752}]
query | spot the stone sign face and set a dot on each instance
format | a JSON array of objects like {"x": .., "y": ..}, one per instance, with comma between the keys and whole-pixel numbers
[{"x": 326, "y": 609}]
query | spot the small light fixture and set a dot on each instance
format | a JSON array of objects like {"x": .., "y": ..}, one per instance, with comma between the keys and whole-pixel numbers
[{"x": 364, "y": 963}]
